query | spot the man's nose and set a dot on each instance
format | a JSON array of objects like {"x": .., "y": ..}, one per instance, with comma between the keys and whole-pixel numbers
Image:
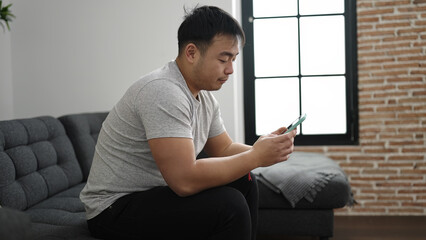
[{"x": 229, "y": 68}]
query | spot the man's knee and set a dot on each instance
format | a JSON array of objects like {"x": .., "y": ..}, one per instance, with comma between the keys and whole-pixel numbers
[
  {"x": 234, "y": 213},
  {"x": 234, "y": 199}
]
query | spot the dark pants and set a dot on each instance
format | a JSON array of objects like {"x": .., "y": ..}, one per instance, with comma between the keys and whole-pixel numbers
[{"x": 226, "y": 212}]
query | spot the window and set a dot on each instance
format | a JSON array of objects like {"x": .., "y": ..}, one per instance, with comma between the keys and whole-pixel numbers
[{"x": 300, "y": 57}]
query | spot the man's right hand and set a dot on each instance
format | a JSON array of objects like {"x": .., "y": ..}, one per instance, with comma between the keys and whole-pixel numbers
[{"x": 274, "y": 148}]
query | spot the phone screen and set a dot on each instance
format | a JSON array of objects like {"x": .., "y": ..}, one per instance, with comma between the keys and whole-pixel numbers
[{"x": 296, "y": 123}]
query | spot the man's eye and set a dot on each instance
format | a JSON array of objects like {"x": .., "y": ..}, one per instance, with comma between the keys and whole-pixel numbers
[{"x": 222, "y": 61}]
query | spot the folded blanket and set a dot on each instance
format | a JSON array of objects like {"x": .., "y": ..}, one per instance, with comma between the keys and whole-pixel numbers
[{"x": 303, "y": 175}]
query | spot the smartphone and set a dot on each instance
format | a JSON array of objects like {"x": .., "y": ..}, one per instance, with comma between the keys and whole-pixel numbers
[{"x": 295, "y": 123}]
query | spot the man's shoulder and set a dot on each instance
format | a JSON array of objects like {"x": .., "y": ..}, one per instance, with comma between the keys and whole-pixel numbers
[
  {"x": 169, "y": 70},
  {"x": 165, "y": 76}
]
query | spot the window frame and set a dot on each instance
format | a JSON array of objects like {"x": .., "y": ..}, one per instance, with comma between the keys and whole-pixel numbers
[{"x": 351, "y": 137}]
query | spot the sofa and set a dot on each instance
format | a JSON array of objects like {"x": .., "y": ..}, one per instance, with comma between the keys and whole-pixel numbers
[{"x": 45, "y": 161}]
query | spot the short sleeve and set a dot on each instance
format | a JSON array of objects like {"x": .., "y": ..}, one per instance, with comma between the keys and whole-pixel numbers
[{"x": 164, "y": 109}]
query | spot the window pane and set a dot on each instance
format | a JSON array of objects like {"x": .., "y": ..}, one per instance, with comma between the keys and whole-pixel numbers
[
  {"x": 307, "y": 7},
  {"x": 322, "y": 45},
  {"x": 277, "y": 103},
  {"x": 276, "y": 47},
  {"x": 324, "y": 102},
  {"x": 271, "y": 8}
]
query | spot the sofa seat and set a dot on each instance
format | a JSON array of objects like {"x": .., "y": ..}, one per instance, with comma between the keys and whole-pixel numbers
[
  {"x": 61, "y": 216},
  {"x": 64, "y": 208}
]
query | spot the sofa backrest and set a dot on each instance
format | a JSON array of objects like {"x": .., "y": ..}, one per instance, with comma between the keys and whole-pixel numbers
[
  {"x": 37, "y": 160},
  {"x": 83, "y": 130}
]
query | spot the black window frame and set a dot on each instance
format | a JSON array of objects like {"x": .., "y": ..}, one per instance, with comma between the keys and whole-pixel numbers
[{"x": 351, "y": 137}]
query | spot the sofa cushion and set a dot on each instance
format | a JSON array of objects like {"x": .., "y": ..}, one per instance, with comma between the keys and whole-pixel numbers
[
  {"x": 14, "y": 224},
  {"x": 83, "y": 130},
  {"x": 37, "y": 161},
  {"x": 61, "y": 216},
  {"x": 64, "y": 208},
  {"x": 44, "y": 231}
]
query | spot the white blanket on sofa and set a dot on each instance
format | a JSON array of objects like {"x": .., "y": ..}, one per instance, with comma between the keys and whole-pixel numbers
[{"x": 303, "y": 175}]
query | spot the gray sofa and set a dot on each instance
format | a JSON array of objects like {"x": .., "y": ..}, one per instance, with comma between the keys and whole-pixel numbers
[{"x": 45, "y": 161}]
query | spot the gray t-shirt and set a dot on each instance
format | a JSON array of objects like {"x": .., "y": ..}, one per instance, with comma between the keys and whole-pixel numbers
[{"x": 159, "y": 105}]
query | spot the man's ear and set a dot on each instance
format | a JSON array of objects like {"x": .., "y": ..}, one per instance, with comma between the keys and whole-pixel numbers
[{"x": 191, "y": 52}]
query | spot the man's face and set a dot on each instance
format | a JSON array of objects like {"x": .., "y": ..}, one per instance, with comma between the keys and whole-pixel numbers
[{"x": 212, "y": 69}]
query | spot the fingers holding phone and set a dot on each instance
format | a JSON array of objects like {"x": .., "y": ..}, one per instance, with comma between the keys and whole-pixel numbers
[
  {"x": 279, "y": 131},
  {"x": 274, "y": 148},
  {"x": 277, "y": 146},
  {"x": 294, "y": 124}
]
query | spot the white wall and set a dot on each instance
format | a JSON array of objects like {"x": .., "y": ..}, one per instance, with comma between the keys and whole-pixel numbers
[
  {"x": 6, "y": 88},
  {"x": 81, "y": 56}
]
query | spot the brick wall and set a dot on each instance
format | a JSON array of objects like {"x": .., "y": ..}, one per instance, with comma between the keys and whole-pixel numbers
[{"x": 387, "y": 171}]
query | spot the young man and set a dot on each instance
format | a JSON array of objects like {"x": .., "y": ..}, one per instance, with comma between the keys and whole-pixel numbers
[{"x": 145, "y": 181}]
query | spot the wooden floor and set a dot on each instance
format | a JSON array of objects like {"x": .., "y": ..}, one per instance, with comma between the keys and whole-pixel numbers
[{"x": 371, "y": 228}]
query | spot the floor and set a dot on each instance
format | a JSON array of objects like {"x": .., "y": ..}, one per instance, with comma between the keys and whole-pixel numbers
[{"x": 371, "y": 228}]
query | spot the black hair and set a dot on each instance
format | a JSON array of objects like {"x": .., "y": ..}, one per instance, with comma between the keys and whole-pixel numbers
[{"x": 203, "y": 23}]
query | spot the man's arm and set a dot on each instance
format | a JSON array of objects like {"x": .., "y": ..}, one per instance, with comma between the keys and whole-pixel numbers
[
  {"x": 222, "y": 146},
  {"x": 185, "y": 175}
]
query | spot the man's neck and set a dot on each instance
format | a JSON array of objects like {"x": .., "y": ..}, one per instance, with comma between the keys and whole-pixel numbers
[{"x": 184, "y": 70}]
